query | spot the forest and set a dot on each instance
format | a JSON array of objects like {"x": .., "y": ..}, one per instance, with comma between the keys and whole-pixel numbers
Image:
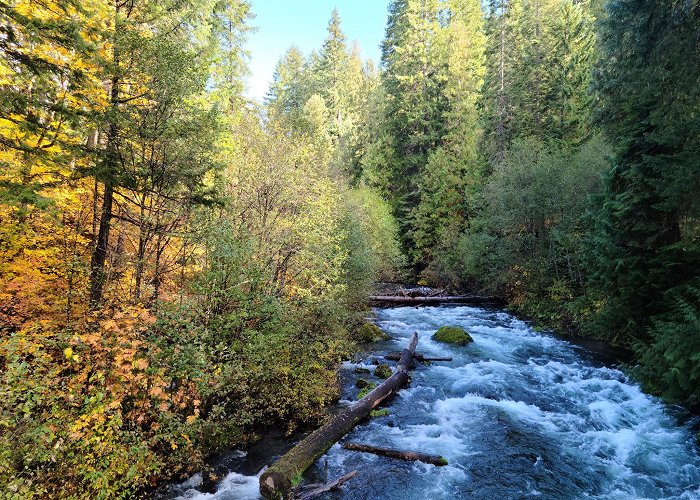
[{"x": 181, "y": 266}]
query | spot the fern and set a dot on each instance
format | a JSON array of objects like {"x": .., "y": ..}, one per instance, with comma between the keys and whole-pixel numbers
[{"x": 670, "y": 365}]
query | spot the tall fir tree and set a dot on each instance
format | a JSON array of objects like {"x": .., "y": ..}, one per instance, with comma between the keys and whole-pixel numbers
[
  {"x": 332, "y": 75},
  {"x": 452, "y": 174},
  {"x": 541, "y": 54},
  {"x": 646, "y": 245},
  {"x": 290, "y": 89},
  {"x": 569, "y": 63},
  {"x": 503, "y": 38},
  {"x": 413, "y": 81}
]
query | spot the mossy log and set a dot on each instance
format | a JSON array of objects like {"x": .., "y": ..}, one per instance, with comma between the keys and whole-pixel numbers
[
  {"x": 411, "y": 456},
  {"x": 395, "y": 356},
  {"x": 287, "y": 471},
  {"x": 438, "y": 299}
]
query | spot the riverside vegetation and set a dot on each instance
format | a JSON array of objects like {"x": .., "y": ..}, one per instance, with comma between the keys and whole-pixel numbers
[{"x": 180, "y": 266}]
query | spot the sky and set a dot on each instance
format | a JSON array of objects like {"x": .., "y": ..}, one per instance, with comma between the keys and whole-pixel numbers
[{"x": 282, "y": 23}]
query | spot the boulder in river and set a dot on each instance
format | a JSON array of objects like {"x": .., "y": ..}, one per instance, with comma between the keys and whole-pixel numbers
[
  {"x": 361, "y": 383},
  {"x": 453, "y": 335},
  {"x": 383, "y": 371},
  {"x": 369, "y": 332}
]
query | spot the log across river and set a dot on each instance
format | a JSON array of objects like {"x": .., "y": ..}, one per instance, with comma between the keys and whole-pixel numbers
[{"x": 518, "y": 414}]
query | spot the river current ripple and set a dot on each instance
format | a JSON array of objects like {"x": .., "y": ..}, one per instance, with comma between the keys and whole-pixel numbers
[{"x": 517, "y": 413}]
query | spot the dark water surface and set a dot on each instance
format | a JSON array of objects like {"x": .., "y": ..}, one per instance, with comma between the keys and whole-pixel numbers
[{"x": 518, "y": 414}]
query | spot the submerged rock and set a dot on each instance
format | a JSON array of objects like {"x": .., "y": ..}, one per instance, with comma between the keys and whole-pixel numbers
[
  {"x": 366, "y": 390},
  {"x": 383, "y": 371},
  {"x": 369, "y": 332},
  {"x": 359, "y": 370},
  {"x": 361, "y": 383},
  {"x": 452, "y": 335},
  {"x": 379, "y": 413}
]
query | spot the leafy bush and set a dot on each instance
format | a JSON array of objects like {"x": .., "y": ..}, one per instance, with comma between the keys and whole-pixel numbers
[{"x": 526, "y": 244}]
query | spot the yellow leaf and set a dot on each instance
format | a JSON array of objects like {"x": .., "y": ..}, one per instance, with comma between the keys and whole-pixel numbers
[
  {"x": 191, "y": 419},
  {"x": 173, "y": 445},
  {"x": 68, "y": 352}
]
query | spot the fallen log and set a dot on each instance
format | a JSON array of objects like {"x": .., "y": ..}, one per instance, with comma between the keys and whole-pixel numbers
[
  {"x": 316, "y": 490},
  {"x": 395, "y": 356},
  {"x": 445, "y": 299},
  {"x": 411, "y": 456},
  {"x": 282, "y": 475}
]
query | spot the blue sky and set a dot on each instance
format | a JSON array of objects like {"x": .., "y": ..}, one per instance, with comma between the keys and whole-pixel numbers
[{"x": 282, "y": 23}]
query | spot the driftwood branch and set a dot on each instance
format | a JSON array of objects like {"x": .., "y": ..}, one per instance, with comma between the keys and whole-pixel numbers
[
  {"x": 411, "y": 456},
  {"x": 279, "y": 478},
  {"x": 316, "y": 490}
]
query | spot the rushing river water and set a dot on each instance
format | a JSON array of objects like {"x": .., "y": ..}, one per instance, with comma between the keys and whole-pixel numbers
[{"x": 518, "y": 414}]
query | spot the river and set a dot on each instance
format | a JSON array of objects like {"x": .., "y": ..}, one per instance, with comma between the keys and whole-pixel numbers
[{"x": 517, "y": 413}]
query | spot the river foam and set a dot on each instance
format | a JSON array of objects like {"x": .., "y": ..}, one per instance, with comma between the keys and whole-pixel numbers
[{"x": 518, "y": 414}]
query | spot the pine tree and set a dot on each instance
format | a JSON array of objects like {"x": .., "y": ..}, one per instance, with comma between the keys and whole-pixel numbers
[
  {"x": 569, "y": 63},
  {"x": 451, "y": 174},
  {"x": 135, "y": 72},
  {"x": 360, "y": 85},
  {"x": 290, "y": 88},
  {"x": 332, "y": 75},
  {"x": 646, "y": 239},
  {"x": 502, "y": 29},
  {"x": 540, "y": 56},
  {"x": 50, "y": 86},
  {"x": 413, "y": 81}
]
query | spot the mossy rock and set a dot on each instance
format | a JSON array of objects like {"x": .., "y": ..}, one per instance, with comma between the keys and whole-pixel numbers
[
  {"x": 369, "y": 332},
  {"x": 361, "y": 383},
  {"x": 452, "y": 335},
  {"x": 359, "y": 370},
  {"x": 383, "y": 371},
  {"x": 365, "y": 391},
  {"x": 379, "y": 413}
]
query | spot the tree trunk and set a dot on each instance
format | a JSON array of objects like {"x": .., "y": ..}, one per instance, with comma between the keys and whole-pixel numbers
[
  {"x": 395, "y": 356},
  {"x": 411, "y": 456},
  {"x": 282, "y": 475},
  {"x": 99, "y": 254}
]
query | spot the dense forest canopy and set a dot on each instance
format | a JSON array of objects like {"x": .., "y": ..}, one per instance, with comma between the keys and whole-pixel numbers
[{"x": 180, "y": 266}]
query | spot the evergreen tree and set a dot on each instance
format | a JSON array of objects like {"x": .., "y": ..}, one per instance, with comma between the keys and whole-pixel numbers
[
  {"x": 451, "y": 175},
  {"x": 361, "y": 84},
  {"x": 540, "y": 59},
  {"x": 331, "y": 74},
  {"x": 413, "y": 81},
  {"x": 501, "y": 27},
  {"x": 569, "y": 63},
  {"x": 137, "y": 72},
  {"x": 290, "y": 88},
  {"x": 226, "y": 25},
  {"x": 50, "y": 88},
  {"x": 645, "y": 246}
]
